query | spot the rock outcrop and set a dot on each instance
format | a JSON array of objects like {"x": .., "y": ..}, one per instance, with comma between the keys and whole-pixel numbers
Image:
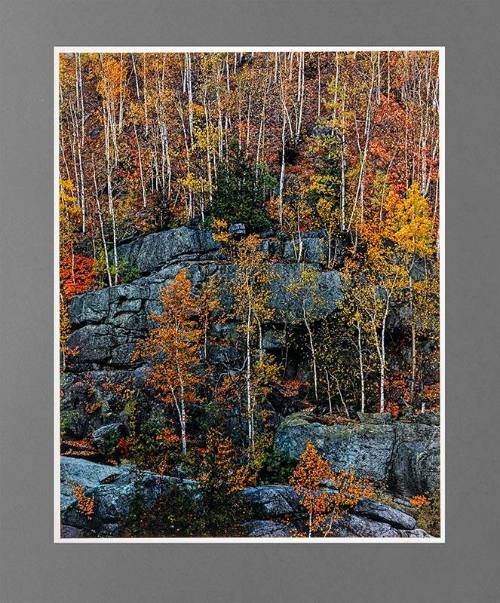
[
  {"x": 404, "y": 456},
  {"x": 105, "y": 327},
  {"x": 383, "y": 513},
  {"x": 107, "y": 323},
  {"x": 359, "y": 526},
  {"x": 115, "y": 491},
  {"x": 266, "y": 528},
  {"x": 414, "y": 467},
  {"x": 155, "y": 251}
]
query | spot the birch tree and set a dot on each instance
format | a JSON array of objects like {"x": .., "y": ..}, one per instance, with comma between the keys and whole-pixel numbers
[
  {"x": 304, "y": 291},
  {"x": 173, "y": 348},
  {"x": 251, "y": 307}
]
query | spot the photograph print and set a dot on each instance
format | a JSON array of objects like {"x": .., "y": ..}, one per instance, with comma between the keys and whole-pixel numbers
[{"x": 248, "y": 287}]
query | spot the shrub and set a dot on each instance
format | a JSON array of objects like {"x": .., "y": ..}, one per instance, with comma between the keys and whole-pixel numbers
[
  {"x": 221, "y": 479},
  {"x": 72, "y": 423},
  {"x": 176, "y": 514},
  {"x": 428, "y": 512},
  {"x": 276, "y": 468}
]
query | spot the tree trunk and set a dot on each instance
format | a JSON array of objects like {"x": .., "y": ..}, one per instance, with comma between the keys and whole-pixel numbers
[
  {"x": 413, "y": 346},
  {"x": 101, "y": 225},
  {"x": 282, "y": 171},
  {"x": 249, "y": 382},
  {"x": 382, "y": 366},
  {"x": 140, "y": 166},
  {"x": 183, "y": 434},
  {"x": 109, "y": 169},
  {"x": 341, "y": 397},
  {"x": 342, "y": 164},
  {"x": 182, "y": 413},
  {"x": 313, "y": 352},
  {"x": 380, "y": 346},
  {"x": 328, "y": 392},
  {"x": 361, "y": 369}
]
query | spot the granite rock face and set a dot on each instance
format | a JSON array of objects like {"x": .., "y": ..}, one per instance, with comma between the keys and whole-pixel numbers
[
  {"x": 154, "y": 251},
  {"x": 404, "y": 456},
  {"x": 314, "y": 248},
  {"x": 364, "y": 446},
  {"x": 329, "y": 291},
  {"x": 415, "y": 460},
  {"x": 363, "y": 527},
  {"x": 105, "y": 327},
  {"x": 383, "y": 513},
  {"x": 106, "y": 323}
]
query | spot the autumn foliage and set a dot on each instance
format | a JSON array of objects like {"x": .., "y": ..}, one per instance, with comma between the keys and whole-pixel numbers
[
  {"x": 317, "y": 175},
  {"x": 77, "y": 274},
  {"x": 84, "y": 503},
  {"x": 326, "y": 495},
  {"x": 174, "y": 345}
]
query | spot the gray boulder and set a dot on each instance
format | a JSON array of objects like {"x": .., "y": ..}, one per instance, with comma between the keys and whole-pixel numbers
[
  {"x": 94, "y": 343},
  {"x": 353, "y": 525},
  {"x": 348, "y": 526},
  {"x": 237, "y": 230},
  {"x": 380, "y": 512},
  {"x": 364, "y": 447},
  {"x": 107, "y": 323},
  {"x": 405, "y": 456},
  {"x": 91, "y": 307},
  {"x": 416, "y": 533},
  {"x": 113, "y": 490},
  {"x": 272, "y": 500},
  {"x": 321, "y": 302},
  {"x": 361, "y": 526},
  {"x": 368, "y": 519},
  {"x": 314, "y": 248}
]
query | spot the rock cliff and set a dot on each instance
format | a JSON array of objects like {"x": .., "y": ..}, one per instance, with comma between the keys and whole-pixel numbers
[
  {"x": 105, "y": 327},
  {"x": 107, "y": 323}
]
